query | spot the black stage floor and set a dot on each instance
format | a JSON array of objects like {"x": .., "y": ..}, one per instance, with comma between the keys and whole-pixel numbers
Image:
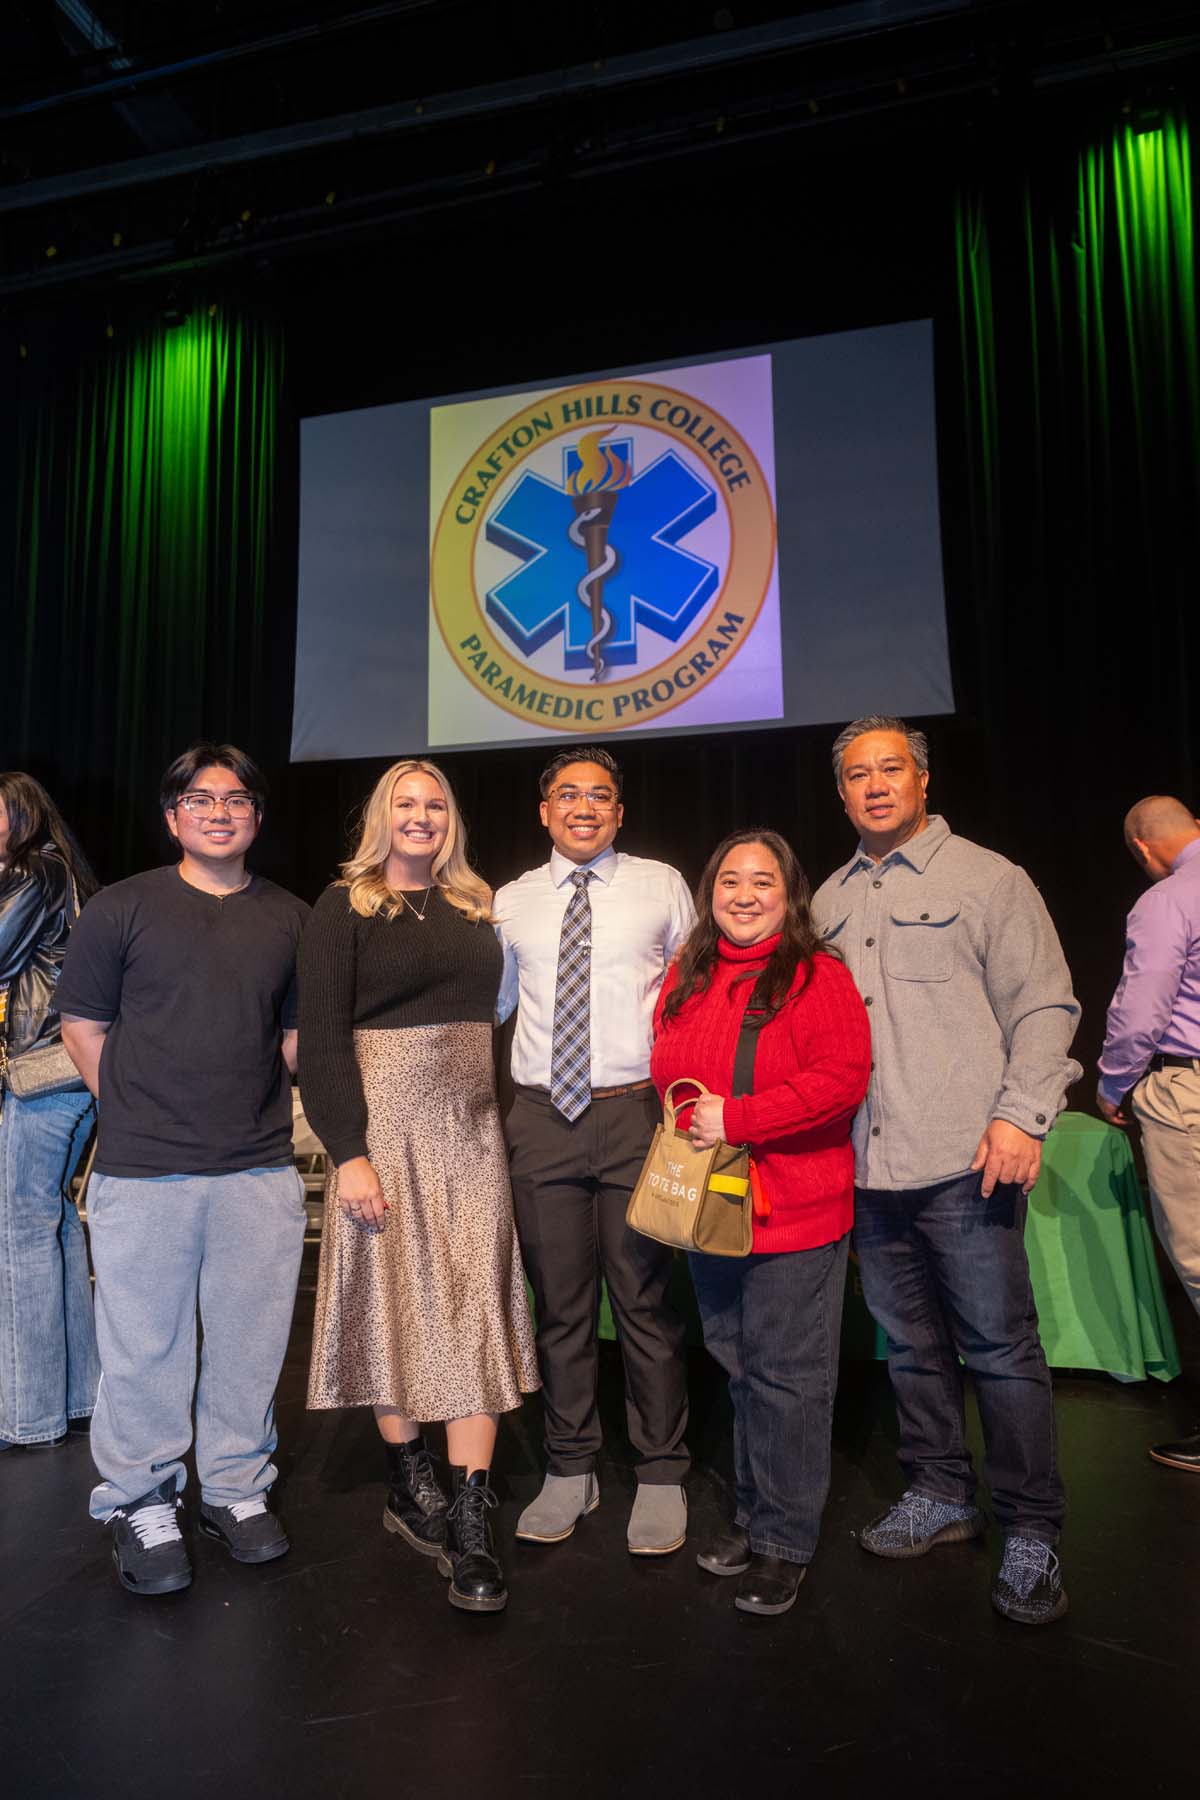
[{"x": 342, "y": 1671}]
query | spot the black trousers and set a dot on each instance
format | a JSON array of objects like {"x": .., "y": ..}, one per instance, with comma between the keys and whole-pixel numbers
[{"x": 571, "y": 1185}]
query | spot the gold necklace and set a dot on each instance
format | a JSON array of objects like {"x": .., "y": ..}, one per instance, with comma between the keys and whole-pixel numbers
[
  {"x": 412, "y": 905},
  {"x": 220, "y": 899},
  {"x": 241, "y": 887}
]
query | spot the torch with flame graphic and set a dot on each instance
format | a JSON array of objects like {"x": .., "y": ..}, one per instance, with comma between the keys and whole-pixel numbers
[{"x": 593, "y": 488}]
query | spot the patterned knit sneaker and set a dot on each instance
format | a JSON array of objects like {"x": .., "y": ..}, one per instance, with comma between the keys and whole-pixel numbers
[
  {"x": 148, "y": 1548},
  {"x": 1029, "y": 1586},
  {"x": 917, "y": 1522},
  {"x": 248, "y": 1529}
]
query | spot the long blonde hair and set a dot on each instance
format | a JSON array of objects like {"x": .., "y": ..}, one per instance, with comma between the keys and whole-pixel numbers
[{"x": 365, "y": 873}]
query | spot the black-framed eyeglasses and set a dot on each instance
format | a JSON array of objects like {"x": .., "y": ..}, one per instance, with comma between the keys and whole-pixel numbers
[
  {"x": 201, "y": 805},
  {"x": 603, "y": 799}
]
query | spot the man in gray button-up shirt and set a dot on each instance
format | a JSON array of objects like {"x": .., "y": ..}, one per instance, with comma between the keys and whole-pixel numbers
[{"x": 972, "y": 1017}]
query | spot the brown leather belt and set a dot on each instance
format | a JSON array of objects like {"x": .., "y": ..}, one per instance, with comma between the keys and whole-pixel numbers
[
  {"x": 612, "y": 1093},
  {"x": 1165, "y": 1061}
]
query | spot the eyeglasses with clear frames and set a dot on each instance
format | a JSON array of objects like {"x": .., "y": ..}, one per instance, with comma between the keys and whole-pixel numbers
[
  {"x": 201, "y": 805},
  {"x": 603, "y": 799}
]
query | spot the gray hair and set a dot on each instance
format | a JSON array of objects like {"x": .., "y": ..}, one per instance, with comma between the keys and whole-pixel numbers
[{"x": 918, "y": 743}]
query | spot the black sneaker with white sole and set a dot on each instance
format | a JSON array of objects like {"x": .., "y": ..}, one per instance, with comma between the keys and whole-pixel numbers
[
  {"x": 248, "y": 1529},
  {"x": 148, "y": 1548}
]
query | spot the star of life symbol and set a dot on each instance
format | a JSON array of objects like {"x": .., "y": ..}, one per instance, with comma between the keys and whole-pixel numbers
[
  {"x": 633, "y": 570},
  {"x": 600, "y": 554}
]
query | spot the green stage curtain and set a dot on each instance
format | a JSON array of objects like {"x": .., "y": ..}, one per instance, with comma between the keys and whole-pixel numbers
[
  {"x": 1080, "y": 439},
  {"x": 148, "y": 497},
  {"x": 144, "y": 535}
]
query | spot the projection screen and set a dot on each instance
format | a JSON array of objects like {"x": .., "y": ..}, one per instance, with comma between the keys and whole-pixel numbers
[{"x": 748, "y": 539}]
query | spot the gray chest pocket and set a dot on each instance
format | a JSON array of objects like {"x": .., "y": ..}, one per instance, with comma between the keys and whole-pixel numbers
[{"x": 921, "y": 942}]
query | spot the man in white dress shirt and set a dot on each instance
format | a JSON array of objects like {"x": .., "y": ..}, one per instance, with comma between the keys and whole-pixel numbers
[{"x": 587, "y": 938}]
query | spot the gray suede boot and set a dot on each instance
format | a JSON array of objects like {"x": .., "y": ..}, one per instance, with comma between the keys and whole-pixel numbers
[
  {"x": 564, "y": 1500},
  {"x": 658, "y": 1522}
]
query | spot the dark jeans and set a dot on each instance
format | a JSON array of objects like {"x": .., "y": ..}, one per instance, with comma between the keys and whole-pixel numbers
[
  {"x": 571, "y": 1184},
  {"x": 774, "y": 1325},
  {"x": 945, "y": 1274}
]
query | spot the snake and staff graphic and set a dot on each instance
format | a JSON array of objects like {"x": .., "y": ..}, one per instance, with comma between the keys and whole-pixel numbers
[{"x": 593, "y": 488}]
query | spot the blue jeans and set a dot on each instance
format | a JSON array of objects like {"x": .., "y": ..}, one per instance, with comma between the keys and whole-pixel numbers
[
  {"x": 229, "y": 1246},
  {"x": 944, "y": 1272},
  {"x": 774, "y": 1325},
  {"x": 48, "y": 1363}
]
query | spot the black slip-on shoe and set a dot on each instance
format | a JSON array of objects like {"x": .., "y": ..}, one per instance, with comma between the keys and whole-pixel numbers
[
  {"x": 728, "y": 1554},
  {"x": 1184, "y": 1453},
  {"x": 769, "y": 1586}
]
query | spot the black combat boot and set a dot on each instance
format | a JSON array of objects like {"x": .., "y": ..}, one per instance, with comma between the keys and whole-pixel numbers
[
  {"x": 416, "y": 1503},
  {"x": 469, "y": 1557}
]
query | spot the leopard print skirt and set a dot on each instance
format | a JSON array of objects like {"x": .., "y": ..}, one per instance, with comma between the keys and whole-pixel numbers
[{"x": 428, "y": 1315}]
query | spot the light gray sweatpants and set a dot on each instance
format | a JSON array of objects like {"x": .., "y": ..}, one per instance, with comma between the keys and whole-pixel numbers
[{"x": 232, "y": 1243}]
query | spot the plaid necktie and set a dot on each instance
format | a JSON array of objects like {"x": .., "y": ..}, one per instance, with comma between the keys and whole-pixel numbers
[{"x": 571, "y": 1050}]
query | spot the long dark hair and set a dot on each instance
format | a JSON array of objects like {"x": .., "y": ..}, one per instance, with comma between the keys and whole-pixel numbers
[
  {"x": 34, "y": 825},
  {"x": 798, "y": 943}
]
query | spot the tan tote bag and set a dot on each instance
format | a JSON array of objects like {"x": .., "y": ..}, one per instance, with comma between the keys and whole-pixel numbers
[{"x": 693, "y": 1199}]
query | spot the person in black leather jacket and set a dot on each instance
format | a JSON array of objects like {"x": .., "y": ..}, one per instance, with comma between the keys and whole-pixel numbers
[{"x": 49, "y": 1368}]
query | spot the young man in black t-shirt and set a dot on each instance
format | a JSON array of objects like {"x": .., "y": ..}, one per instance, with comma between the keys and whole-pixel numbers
[{"x": 178, "y": 1002}]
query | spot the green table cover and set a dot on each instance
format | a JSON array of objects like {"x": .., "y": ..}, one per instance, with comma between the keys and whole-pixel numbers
[{"x": 1091, "y": 1257}]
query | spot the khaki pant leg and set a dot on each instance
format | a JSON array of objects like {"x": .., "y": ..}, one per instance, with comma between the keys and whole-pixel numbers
[{"x": 1166, "y": 1105}]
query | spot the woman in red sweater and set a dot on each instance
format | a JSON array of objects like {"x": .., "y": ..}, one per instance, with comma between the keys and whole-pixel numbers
[{"x": 772, "y": 1319}]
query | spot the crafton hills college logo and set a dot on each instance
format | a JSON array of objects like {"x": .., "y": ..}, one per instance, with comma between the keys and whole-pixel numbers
[{"x": 602, "y": 556}]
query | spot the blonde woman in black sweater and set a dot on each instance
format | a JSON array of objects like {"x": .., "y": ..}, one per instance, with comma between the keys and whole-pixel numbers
[{"x": 421, "y": 1310}]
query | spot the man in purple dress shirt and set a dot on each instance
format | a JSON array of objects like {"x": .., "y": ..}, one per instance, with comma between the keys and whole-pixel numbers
[{"x": 1152, "y": 1045}]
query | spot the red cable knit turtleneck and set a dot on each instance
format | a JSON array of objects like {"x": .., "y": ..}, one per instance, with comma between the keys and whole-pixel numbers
[{"x": 811, "y": 1070}]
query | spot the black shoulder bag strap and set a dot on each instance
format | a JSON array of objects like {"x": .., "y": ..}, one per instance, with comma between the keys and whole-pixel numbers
[{"x": 747, "y": 1050}]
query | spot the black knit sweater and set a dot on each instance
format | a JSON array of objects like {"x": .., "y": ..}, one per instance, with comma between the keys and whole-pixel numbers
[{"x": 381, "y": 973}]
